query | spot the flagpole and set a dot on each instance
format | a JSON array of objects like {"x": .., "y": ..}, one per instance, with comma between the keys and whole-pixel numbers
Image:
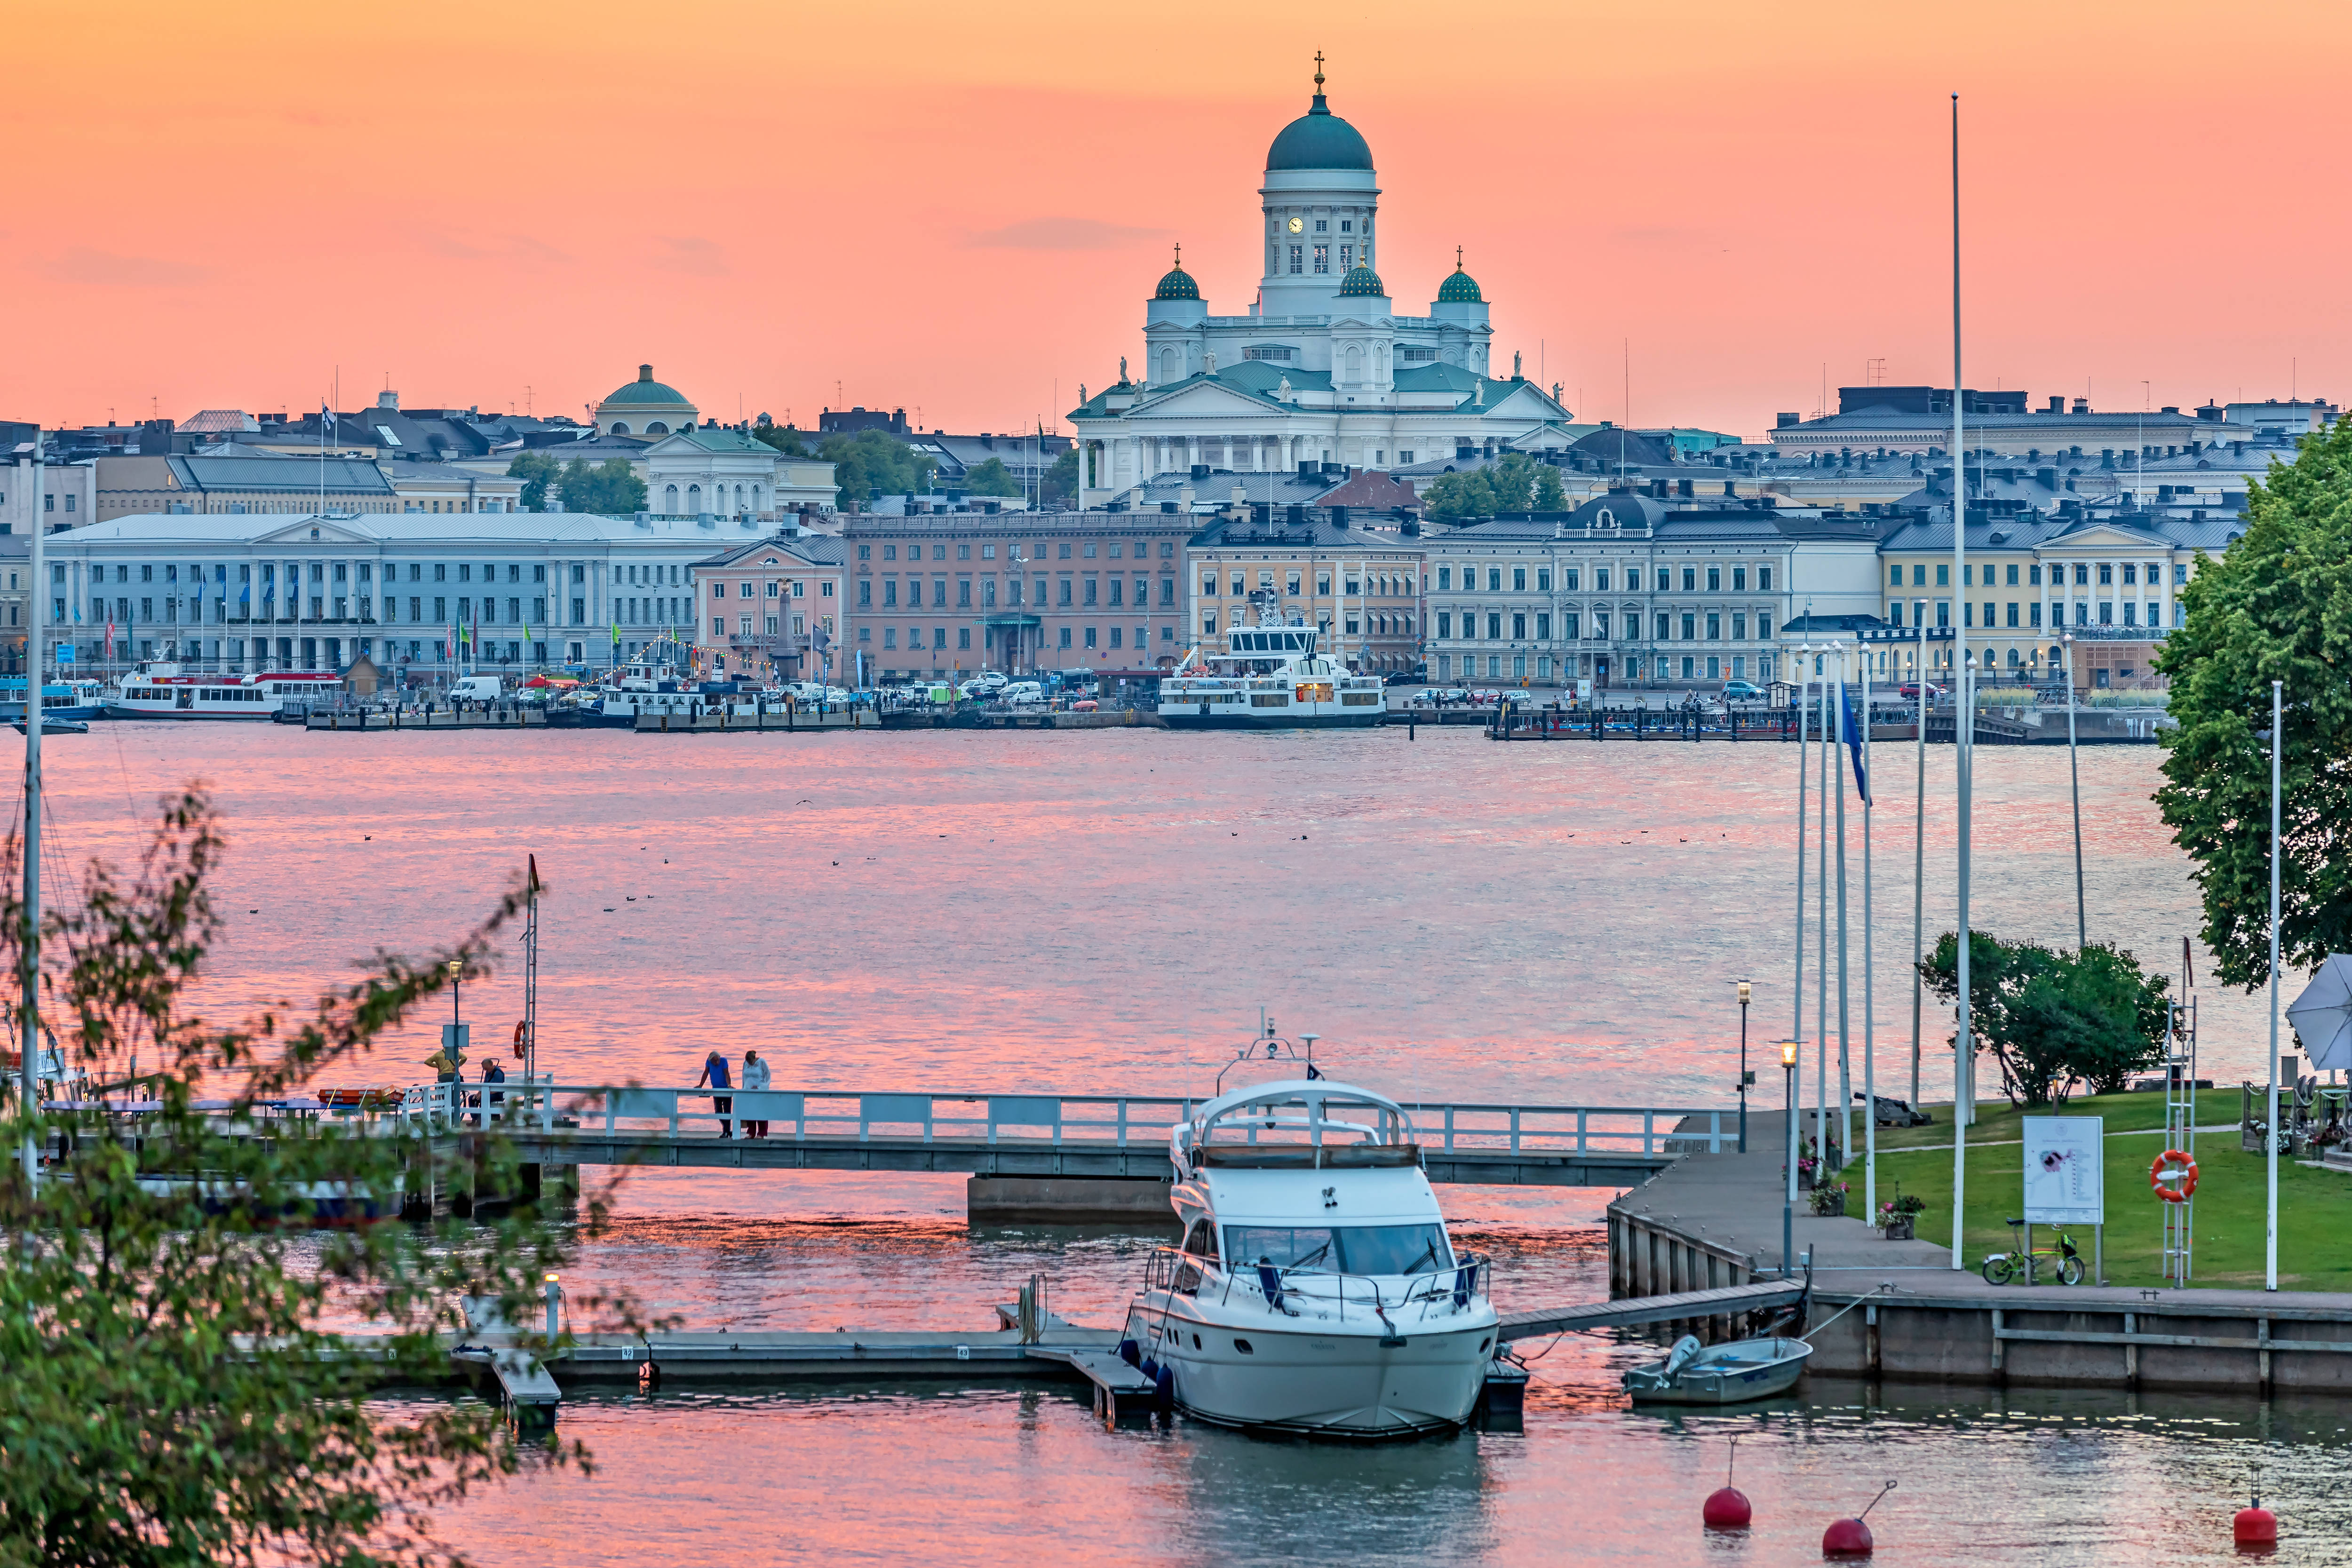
[
  {"x": 1804, "y": 765},
  {"x": 1869, "y": 1032},
  {"x": 1822, "y": 936},
  {"x": 1919, "y": 851},
  {"x": 28, "y": 940},
  {"x": 2270, "y": 1128},
  {"x": 1963, "y": 733},
  {"x": 1845, "y": 1056}
]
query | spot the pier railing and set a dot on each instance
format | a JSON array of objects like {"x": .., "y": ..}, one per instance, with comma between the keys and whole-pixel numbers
[{"x": 1033, "y": 1121}]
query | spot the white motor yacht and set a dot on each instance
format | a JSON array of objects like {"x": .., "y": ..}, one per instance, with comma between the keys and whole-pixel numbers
[
  {"x": 1273, "y": 674},
  {"x": 1315, "y": 1290}
]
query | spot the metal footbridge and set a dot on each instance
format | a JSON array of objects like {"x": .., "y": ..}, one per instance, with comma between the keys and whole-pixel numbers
[{"x": 1100, "y": 1137}]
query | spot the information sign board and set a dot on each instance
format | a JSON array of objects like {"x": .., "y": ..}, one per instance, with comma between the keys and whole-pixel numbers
[{"x": 2064, "y": 1170}]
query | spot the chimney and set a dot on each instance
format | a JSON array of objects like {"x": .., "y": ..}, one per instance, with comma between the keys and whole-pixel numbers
[
  {"x": 1241, "y": 495},
  {"x": 2081, "y": 405},
  {"x": 2058, "y": 405}
]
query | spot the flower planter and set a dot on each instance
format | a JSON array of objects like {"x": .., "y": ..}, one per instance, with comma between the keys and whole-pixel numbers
[
  {"x": 1804, "y": 1180},
  {"x": 1831, "y": 1206},
  {"x": 1897, "y": 1229}
]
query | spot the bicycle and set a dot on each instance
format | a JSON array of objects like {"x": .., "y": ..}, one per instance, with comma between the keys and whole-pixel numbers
[{"x": 2001, "y": 1267}]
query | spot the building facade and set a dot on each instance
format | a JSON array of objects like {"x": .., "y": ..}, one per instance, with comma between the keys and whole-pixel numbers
[
  {"x": 729, "y": 473},
  {"x": 1024, "y": 592},
  {"x": 417, "y": 593},
  {"x": 1629, "y": 590},
  {"x": 770, "y": 609},
  {"x": 1363, "y": 587}
]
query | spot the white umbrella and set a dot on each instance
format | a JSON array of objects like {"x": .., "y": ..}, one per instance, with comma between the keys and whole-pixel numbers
[{"x": 2323, "y": 1014}]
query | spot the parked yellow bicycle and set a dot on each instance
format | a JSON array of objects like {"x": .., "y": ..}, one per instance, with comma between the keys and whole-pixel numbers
[{"x": 2001, "y": 1267}]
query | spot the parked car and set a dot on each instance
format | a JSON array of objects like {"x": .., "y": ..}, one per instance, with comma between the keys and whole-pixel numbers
[
  {"x": 1910, "y": 689},
  {"x": 1741, "y": 691},
  {"x": 1454, "y": 696},
  {"x": 1023, "y": 691},
  {"x": 1485, "y": 699},
  {"x": 1519, "y": 699},
  {"x": 1424, "y": 699}
]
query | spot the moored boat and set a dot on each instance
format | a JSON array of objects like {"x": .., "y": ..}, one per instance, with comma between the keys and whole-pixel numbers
[
  {"x": 1271, "y": 676},
  {"x": 1315, "y": 1290},
  {"x": 1728, "y": 1374},
  {"x": 163, "y": 689}
]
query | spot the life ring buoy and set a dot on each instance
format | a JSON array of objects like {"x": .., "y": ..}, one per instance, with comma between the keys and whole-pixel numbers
[
  {"x": 2174, "y": 1176},
  {"x": 519, "y": 1027}
]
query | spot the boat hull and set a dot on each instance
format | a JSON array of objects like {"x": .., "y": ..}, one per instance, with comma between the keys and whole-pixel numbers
[
  {"x": 1191, "y": 717},
  {"x": 1727, "y": 1374},
  {"x": 1326, "y": 1384}
]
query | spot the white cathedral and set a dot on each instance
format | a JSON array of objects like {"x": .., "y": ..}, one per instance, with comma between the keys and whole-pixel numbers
[{"x": 1321, "y": 370}]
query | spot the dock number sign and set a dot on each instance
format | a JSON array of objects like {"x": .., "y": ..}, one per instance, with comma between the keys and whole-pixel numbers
[{"x": 2063, "y": 1169}]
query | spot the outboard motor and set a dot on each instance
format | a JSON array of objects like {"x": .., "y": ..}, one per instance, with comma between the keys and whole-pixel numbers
[{"x": 1685, "y": 1350}]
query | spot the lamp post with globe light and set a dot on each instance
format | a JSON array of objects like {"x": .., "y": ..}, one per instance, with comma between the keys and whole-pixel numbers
[{"x": 1788, "y": 1049}]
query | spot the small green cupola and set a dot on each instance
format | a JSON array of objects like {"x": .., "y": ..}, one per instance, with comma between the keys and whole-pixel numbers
[
  {"x": 1459, "y": 288},
  {"x": 1363, "y": 283},
  {"x": 1178, "y": 284}
]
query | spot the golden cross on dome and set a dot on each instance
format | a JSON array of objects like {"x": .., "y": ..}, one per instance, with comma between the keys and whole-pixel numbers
[
  {"x": 1319, "y": 71},
  {"x": 1457, "y": 258},
  {"x": 1179, "y": 258}
]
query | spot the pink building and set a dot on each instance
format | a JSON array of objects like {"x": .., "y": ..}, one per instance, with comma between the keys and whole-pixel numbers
[{"x": 770, "y": 610}]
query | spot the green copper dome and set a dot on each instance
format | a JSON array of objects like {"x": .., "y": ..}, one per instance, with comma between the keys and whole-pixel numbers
[
  {"x": 1364, "y": 283},
  {"x": 1319, "y": 138},
  {"x": 1460, "y": 288},
  {"x": 1177, "y": 285},
  {"x": 645, "y": 389}
]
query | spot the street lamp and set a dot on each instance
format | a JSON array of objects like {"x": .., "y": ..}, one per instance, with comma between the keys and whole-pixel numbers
[
  {"x": 1747, "y": 990},
  {"x": 1788, "y": 1049}
]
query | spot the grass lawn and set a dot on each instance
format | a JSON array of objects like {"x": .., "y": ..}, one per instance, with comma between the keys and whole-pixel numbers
[
  {"x": 1998, "y": 1122},
  {"x": 2315, "y": 1206}
]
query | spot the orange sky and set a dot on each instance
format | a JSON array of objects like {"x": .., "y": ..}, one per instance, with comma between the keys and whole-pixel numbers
[{"x": 956, "y": 208}]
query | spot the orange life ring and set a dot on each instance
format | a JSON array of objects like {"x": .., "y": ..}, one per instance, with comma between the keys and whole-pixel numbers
[
  {"x": 2174, "y": 1176},
  {"x": 519, "y": 1027}
]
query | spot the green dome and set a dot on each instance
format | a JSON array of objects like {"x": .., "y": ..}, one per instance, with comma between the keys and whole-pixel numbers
[
  {"x": 645, "y": 389},
  {"x": 1364, "y": 283},
  {"x": 1177, "y": 285},
  {"x": 1460, "y": 288},
  {"x": 1319, "y": 138}
]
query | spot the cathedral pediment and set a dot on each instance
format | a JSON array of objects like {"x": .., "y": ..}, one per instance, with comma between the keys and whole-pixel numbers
[
  {"x": 1523, "y": 401},
  {"x": 1202, "y": 398}
]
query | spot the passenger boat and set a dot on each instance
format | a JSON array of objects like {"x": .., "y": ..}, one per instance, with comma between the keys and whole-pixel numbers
[
  {"x": 1729, "y": 1374},
  {"x": 74, "y": 700},
  {"x": 161, "y": 690},
  {"x": 1270, "y": 676},
  {"x": 1315, "y": 1290},
  {"x": 53, "y": 725}
]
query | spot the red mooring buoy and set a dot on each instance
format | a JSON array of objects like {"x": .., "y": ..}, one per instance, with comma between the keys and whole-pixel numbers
[
  {"x": 1726, "y": 1508},
  {"x": 1846, "y": 1538},
  {"x": 2256, "y": 1526}
]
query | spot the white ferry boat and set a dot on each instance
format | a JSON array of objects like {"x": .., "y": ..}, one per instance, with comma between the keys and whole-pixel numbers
[
  {"x": 1315, "y": 1290},
  {"x": 61, "y": 699},
  {"x": 162, "y": 690},
  {"x": 1270, "y": 676}
]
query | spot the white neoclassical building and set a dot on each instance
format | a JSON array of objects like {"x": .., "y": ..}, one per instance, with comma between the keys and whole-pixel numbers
[
  {"x": 727, "y": 473},
  {"x": 1321, "y": 368}
]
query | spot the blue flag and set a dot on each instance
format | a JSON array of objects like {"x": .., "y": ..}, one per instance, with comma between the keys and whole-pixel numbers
[{"x": 1850, "y": 731}]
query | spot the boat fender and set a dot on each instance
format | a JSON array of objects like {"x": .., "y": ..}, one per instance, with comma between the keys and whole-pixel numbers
[
  {"x": 1130, "y": 1352},
  {"x": 1164, "y": 1393}
]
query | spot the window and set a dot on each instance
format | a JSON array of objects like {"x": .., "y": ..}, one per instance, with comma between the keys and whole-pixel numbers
[
  {"x": 1296, "y": 252},
  {"x": 1943, "y": 574},
  {"x": 1445, "y": 624},
  {"x": 2131, "y": 572},
  {"x": 1168, "y": 592},
  {"x": 2011, "y": 619},
  {"x": 1690, "y": 628},
  {"x": 963, "y": 638},
  {"x": 1064, "y": 601},
  {"x": 1092, "y": 586},
  {"x": 1065, "y": 550},
  {"x": 2106, "y": 574},
  {"x": 2033, "y": 575},
  {"x": 1739, "y": 579},
  {"x": 1714, "y": 626},
  {"x": 1089, "y": 552},
  {"x": 1090, "y": 637},
  {"x": 2011, "y": 579},
  {"x": 1568, "y": 579},
  {"x": 1208, "y": 584},
  {"x": 1493, "y": 579},
  {"x": 1763, "y": 579},
  {"x": 1690, "y": 580},
  {"x": 1322, "y": 256},
  {"x": 890, "y": 592},
  {"x": 1322, "y": 226},
  {"x": 963, "y": 551},
  {"x": 866, "y": 553},
  {"x": 938, "y": 592},
  {"x": 2033, "y": 613},
  {"x": 1291, "y": 585},
  {"x": 1600, "y": 580},
  {"x": 1543, "y": 627},
  {"x": 1519, "y": 628},
  {"x": 1445, "y": 579},
  {"x": 865, "y": 594},
  {"x": 1738, "y": 626},
  {"x": 1495, "y": 627},
  {"x": 1518, "y": 579},
  {"x": 1968, "y": 575},
  {"x": 963, "y": 593}
]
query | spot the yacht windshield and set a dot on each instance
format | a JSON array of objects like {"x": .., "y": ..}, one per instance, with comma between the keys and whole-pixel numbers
[{"x": 1342, "y": 1249}]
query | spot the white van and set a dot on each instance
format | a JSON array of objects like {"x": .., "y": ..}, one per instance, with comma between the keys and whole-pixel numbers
[
  {"x": 477, "y": 687},
  {"x": 1023, "y": 691}
]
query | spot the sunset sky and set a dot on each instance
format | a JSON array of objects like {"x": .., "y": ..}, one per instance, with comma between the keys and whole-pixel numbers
[{"x": 961, "y": 209}]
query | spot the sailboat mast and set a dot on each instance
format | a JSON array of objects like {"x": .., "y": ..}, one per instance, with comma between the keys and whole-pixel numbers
[{"x": 28, "y": 1016}]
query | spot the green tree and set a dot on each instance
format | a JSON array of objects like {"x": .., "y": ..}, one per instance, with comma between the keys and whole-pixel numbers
[
  {"x": 786, "y": 440},
  {"x": 1062, "y": 478},
  {"x": 1513, "y": 483},
  {"x": 2276, "y": 607},
  {"x": 536, "y": 469},
  {"x": 175, "y": 1393},
  {"x": 611, "y": 488},
  {"x": 871, "y": 464},
  {"x": 2051, "y": 1018},
  {"x": 991, "y": 478}
]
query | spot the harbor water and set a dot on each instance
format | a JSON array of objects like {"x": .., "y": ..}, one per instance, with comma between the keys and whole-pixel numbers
[{"x": 1105, "y": 912}]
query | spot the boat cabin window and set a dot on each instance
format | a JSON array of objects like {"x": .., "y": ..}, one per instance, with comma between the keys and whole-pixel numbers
[
  {"x": 1343, "y": 1250},
  {"x": 1201, "y": 1241}
]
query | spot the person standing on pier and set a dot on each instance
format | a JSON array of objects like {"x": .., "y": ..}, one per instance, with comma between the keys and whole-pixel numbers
[
  {"x": 714, "y": 1074},
  {"x": 755, "y": 1075}
]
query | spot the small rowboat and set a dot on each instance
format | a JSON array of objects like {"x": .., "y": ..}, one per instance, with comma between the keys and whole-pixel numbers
[
  {"x": 1728, "y": 1374},
  {"x": 53, "y": 725}
]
